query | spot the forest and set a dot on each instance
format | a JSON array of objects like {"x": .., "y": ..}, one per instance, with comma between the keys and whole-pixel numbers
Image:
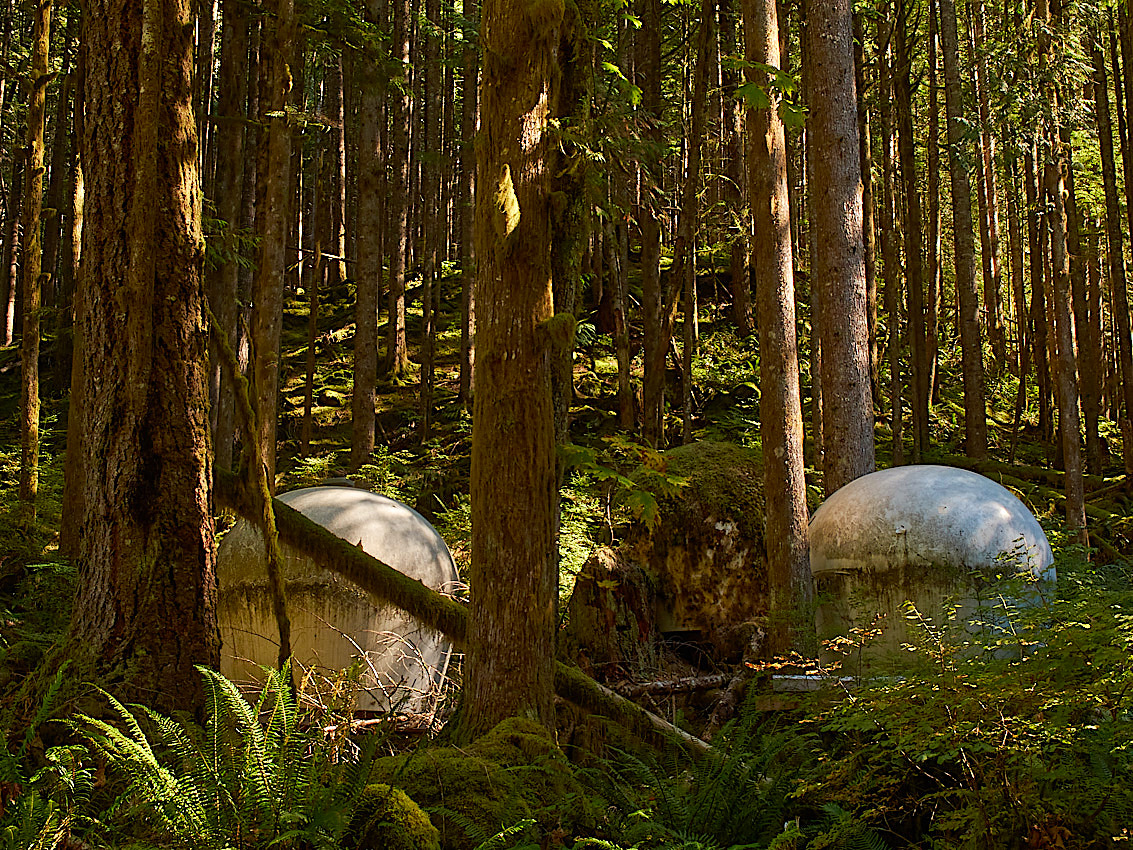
[{"x": 615, "y": 294}]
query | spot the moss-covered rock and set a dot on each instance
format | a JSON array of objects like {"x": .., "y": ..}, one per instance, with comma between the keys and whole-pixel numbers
[
  {"x": 512, "y": 773},
  {"x": 387, "y": 819},
  {"x": 707, "y": 553}
]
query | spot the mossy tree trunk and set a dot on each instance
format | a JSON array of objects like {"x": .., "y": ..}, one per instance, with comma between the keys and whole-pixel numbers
[
  {"x": 228, "y": 180},
  {"x": 273, "y": 206},
  {"x": 514, "y": 589},
  {"x": 145, "y": 612},
  {"x": 33, "y": 204},
  {"x": 781, "y": 415}
]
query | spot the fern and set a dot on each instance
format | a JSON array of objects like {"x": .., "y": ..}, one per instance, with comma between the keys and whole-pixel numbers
[
  {"x": 38, "y": 811},
  {"x": 253, "y": 776},
  {"x": 734, "y": 799}
]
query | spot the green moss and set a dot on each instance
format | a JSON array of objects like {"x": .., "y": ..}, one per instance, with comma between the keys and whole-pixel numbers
[
  {"x": 507, "y": 213},
  {"x": 725, "y": 479},
  {"x": 514, "y": 772},
  {"x": 387, "y": 819}
]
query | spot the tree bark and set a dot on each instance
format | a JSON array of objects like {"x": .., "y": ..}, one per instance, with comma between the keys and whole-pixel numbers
[
  {"x": 839, "y": 269},
  {"x": 33, "y": 282},
  {"x": 914, "y": 262},
  {"x": 273, "y": 225},
  {"x": 987, "y": 200},
  {"x": 780, "y": 409},
  {"x": 397, "y": 352},
  {"x": 368, "y": 242},
  {"x": 145, "y": 611},
  {"x": 1114, "y": 237},
  {"x": 971, "y": 347},
  {"x": 509, "y": 669},
  {"x": 469, "y": 118},
  {"x": 733, "y": 152},
  {"x": 53, "y": 200},
  {"x": 935, "y": 290},
  {"x": 890, "y": 264},
  {"x": 431, "y": 199},
  {"x": 1066, "y": 367},
  {"x": 1115, "y": 247},
  {"x": 228, "y": 182},
  {"x": 648, "y": 62},
  {"x": 9, "y": 254},
  {"x": 869, "y": 240}
]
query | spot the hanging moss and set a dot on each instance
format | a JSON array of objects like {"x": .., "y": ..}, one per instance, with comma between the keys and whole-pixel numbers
[
  {"x": 514, "y": 772},
  {"x": 387, "y": 819}
]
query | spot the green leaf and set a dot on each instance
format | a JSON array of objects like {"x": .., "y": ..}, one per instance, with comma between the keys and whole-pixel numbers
[{"x": 754, "y": 95}]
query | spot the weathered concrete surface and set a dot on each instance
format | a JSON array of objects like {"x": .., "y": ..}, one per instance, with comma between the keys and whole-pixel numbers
[
  {"x": 926, "y": 534},
  {"x": 332, "y": 621}
]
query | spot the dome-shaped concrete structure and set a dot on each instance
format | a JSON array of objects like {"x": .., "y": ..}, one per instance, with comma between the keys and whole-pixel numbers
[
  {"x": 925, "y": 534},
  {"x": 333, "y": 621}
]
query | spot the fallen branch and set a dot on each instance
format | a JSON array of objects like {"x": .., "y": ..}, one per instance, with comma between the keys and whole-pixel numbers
[{"x": 683, "y": 685}]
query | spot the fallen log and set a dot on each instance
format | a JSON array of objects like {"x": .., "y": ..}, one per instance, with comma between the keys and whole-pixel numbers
[{"x": 435, "y": 610}]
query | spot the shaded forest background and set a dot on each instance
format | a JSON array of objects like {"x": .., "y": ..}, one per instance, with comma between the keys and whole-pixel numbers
[{"x": 892, "y": 237}]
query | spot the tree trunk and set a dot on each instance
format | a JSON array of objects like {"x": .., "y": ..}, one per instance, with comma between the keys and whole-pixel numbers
[
  {"x": 273, "y": 225},
  {"x": 648, "y": 61},
  {"x": 890, "y": 264},
  {"x": 368, "y": 242},
  {"x": 69, "y": 268},
  {"x": 315, "y": 265},
  {"x": 869, "y": 240},
  {"x": 906, "y": 149},
  {"x": 75, "y": 459},
  {"x": 145, "y": 610},
  {"x": 839, "y": 269},
  {"x": 336, "y": 111},
  {"x": 987, "y": 200},
  {"x": 934, "y": 294},
  {"x": 9, "y": 254},
  {"x": 1115, "y": 241},
  {"x": 468, "y": 120},
  {"x": 683, "y": 270},
  {"x": 971, "y": 347},
  {"x": 33, "y": 283},
  {"x": 1066, "y": 368},
  {"x": 228, "y": 183},
  {"x": 431, "y": 198},
  {"x": 397, "y": 352},
  {"x": 780, "y": 409},
  {"x": 509, "y": 669},
  {"x": 733, "y": 152},
  {"x": 1022, "y": 337},
  {"x": 1036, "y": 239},
  {"x": 53, "y": 201}
]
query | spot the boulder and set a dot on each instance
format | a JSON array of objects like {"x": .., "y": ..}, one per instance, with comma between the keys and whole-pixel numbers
[
  {"x": 697, "y": 575},
  {"x": 333, "y": 622},
  {"x": 930, "y": 535}
]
